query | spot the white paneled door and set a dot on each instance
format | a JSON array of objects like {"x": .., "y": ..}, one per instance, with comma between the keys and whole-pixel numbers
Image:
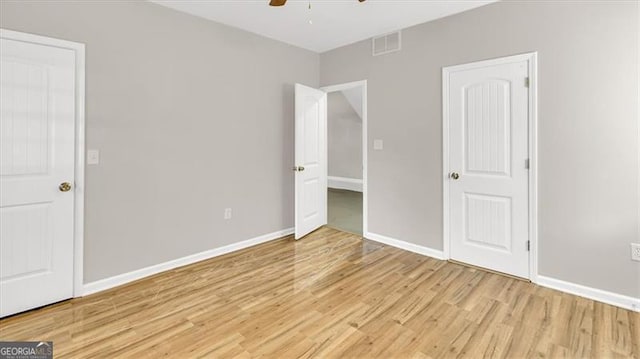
[
  {"x": 36, "y": 175},
  {"x": 310, "y": 159},
  {"x": 488, "y": 166}
]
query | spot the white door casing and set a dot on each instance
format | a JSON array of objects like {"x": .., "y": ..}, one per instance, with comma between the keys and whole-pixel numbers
[
  {"x": 487, "y": 212},
  {"x": 310, "y": 159},
  {"x": 39, "y": 117}
]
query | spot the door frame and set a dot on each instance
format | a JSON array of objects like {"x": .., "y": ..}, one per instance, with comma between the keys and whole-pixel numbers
[
  {"x": 532, "y": 59},
  {"x": 78, "y": 181},
  {"x": 363, "y": 85}
]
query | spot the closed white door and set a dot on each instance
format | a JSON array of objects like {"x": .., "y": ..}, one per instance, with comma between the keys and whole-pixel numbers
[
  {"x": 310, "y": 159},
  {"x": 488, "y": 165},
  {"x": 36, "y": 206}
]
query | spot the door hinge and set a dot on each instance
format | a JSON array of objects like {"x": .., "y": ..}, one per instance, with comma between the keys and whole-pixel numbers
[
  {"x": 526, "y": 163},
  {"x": 526, "y": 82},
  {"x": 528, "y": 246}
]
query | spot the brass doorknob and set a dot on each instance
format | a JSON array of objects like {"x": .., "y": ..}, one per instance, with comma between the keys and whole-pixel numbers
[
  {"x": 455, "y": 175},
  {"x": 298, "y": 168},
  {"x": 64, "y": 187}
]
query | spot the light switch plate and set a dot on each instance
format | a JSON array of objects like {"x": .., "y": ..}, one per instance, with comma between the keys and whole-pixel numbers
[
  {"x": 378, "y": 145},
  {"x": 93, "y": 157}
]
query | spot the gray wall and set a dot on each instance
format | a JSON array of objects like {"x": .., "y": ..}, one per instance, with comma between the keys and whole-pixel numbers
[
  {"x": 588, "y": 128},
  {"x": 190, "y": 117},
  {"x": 344, "y": 137}
]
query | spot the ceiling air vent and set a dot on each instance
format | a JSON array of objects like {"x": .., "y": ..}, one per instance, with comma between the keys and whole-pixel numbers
[{"x": 386, "y": 43}]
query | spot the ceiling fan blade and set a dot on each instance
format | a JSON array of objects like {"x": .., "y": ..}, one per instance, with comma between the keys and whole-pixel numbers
[{"x": 361, "y": 0}]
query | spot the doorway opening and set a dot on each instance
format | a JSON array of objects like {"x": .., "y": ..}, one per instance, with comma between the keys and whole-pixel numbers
[{"x": 347, "y": 157}]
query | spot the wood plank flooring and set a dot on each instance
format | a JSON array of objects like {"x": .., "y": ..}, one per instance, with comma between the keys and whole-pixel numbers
[{"x": 330, "y": 295}]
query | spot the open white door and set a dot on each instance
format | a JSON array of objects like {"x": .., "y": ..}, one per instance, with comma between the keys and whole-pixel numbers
[
  {"x": 37, "y": 129},
  {"x": 310, "y": 159}
]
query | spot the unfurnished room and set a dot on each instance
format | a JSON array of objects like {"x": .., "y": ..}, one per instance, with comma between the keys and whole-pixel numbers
[{"x": 320, "y": 179}]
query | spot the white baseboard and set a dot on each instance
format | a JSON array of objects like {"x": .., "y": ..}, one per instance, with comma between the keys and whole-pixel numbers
[
  {"x": 411, "y": 247},
  {"x": 107, "y": 283},
  {"x": 599, "y": 295},
  {"x": 351, "y": 184}
]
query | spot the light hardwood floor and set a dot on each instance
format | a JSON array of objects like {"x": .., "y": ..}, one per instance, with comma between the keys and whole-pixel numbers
[{"x": 330, "y": 295}]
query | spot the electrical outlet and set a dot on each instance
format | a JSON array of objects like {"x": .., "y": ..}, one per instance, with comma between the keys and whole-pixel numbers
[
  {"x": 227, "y": 213},
  {"x": 635, "y": 252}
]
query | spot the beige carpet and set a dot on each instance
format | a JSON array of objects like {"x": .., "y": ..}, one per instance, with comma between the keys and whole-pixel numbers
[{"x": 345, "y": 210}]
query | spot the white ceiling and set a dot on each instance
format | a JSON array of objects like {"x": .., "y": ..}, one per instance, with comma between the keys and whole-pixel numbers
[{"x": 334, "y": 23}]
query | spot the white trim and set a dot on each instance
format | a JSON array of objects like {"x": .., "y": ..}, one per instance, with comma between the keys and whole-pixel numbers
[
  {"x": 79, "y": 185},
  {"x": 411, "y": 247},
  {"x": 531, "y": 59},
  {"x": 599, "y": 295},
  {"x": 533, "y": 167},
  {"x": 445, "y": 163},
  {"x": 365, "y": 156},
  {"x": 638, "y": 122},
  {"x": 108, "y": 283},
  {"x": 351, "y": 184}
]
